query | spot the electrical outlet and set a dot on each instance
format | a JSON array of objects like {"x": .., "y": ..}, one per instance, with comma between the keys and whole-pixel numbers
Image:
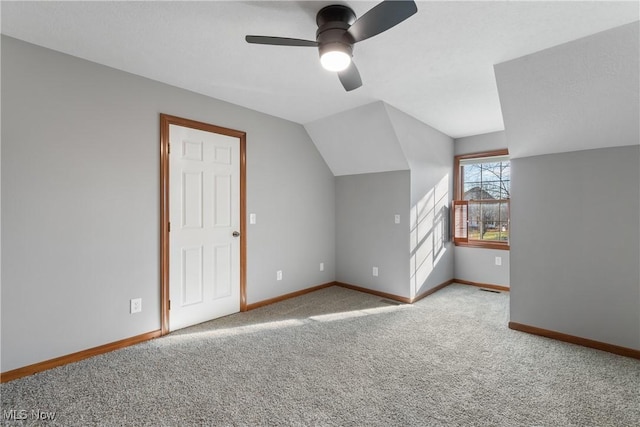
[
  {"x": 279, "y": 275},
  {"x": 498, "y": 260},
  {"x": 322, "y": 266},
  {"x": 396, "y": 219},
  {"x": 375, "y": 271},
  {"x": 136, "y": 305}
]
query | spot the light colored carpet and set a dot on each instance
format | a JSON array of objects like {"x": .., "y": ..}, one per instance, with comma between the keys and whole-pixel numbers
[{"x": 338, "y": 357}]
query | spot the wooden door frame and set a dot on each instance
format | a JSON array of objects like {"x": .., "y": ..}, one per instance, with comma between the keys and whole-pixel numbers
[{"x": 165, "y": 121}]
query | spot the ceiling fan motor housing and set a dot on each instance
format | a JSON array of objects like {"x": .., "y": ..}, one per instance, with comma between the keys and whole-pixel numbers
[
  {"x": 333, "y": 22},
  {"x": 335, "y": 13}
]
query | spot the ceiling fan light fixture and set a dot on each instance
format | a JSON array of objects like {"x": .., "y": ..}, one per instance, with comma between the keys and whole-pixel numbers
[
  {"x": 335, "y": 56},
  {"x": 335, "y": 60}
]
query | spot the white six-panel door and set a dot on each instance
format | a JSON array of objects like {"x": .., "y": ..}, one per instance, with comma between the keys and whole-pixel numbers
[{"x": 204, "y": 267}]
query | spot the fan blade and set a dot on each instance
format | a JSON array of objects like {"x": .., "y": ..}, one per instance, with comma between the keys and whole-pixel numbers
[
  {"x": 280, "y": 41},
  {"x": 385, "y": 15},
  {"x": 350, "y": 78}
]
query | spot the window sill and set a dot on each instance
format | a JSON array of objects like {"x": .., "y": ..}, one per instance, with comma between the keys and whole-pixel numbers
[{"x": 485, "y": 245}]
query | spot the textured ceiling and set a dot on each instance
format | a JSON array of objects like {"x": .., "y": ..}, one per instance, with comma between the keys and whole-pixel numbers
[{"x": 437, "y": 66}]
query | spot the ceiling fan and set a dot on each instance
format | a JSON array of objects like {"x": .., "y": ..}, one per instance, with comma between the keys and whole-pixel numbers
[{"x": 338, "y": 30}]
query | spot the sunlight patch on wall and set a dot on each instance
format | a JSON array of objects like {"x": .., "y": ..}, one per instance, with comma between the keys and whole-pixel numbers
[{"x": 429, "y": 233}]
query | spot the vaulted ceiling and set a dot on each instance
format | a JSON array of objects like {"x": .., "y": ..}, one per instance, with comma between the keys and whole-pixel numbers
[{"x": 437, "y": 66}]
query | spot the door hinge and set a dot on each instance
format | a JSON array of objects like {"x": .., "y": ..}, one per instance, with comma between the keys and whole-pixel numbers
[
  {"x": 169, "y": 304},
  {"x": 168, "y": 148},
  {"x": 168, "y": 227}
]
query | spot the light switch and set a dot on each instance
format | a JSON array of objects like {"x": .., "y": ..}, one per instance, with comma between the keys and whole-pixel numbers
[
  {"x": 252, "y": 218},
  {"x": 498, "y": 260},
  {"x": 397, "y": 219}
]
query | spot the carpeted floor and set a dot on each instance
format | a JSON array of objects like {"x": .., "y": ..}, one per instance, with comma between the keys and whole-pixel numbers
[{"x": 338, "y": 357}]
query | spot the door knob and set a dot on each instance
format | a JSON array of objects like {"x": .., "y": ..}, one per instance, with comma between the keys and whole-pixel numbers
[{"x": 236, "y": 234}]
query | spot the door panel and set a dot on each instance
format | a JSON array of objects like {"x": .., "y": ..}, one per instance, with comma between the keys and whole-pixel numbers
[
  {"x": 192, "y": 199},
  {"x": 223, "y": 271}
]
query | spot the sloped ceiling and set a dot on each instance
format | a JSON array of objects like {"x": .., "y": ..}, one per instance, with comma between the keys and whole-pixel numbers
[
  {"x": 361, "y": 140},
  {"x": 437, "y": 66},
  {"x": 580, "y": 95},
  {"x": 377, "y": 138}
]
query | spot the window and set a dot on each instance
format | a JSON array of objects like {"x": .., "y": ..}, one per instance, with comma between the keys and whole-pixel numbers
[{"x": 481, "y": 205}]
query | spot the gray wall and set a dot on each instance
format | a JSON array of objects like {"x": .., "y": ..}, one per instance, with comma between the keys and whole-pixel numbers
[
  {"x": 575, "y": 216},
  {"x": 576, "y": 244},
  {"x": 415, "y": 255},
  {"x": 366, "y": 234},
  {"x": 479, "y": 264},
  {"x": 80, "y": 202},
  {"x": 430, "y": 157}
]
